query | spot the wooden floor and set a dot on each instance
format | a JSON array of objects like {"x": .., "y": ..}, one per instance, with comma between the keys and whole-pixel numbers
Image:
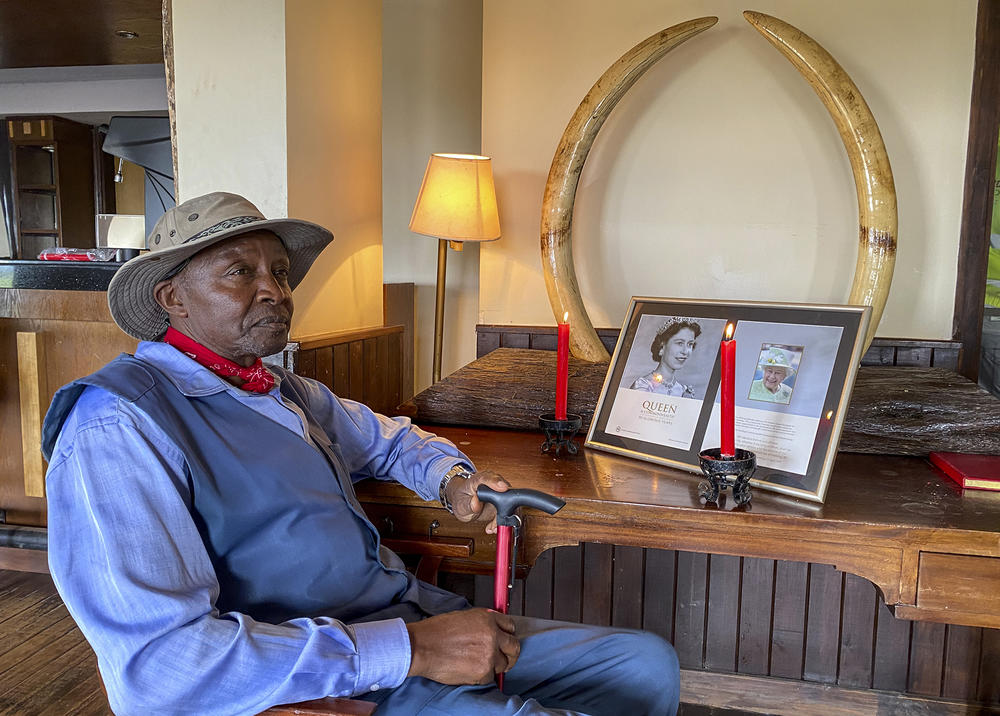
[
  {"x": 48, "y": 669},
  {"x": 46, "y": 666}
]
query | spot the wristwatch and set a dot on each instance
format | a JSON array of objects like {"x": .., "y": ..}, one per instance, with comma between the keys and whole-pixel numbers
[{"x": 459, "y": 470}]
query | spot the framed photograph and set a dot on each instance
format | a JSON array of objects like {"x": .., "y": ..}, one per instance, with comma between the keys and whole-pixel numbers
[{"x": 795, "y": 368}]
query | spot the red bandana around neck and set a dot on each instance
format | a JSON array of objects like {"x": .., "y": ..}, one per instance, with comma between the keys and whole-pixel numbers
[{"x": 258, "y": 378}]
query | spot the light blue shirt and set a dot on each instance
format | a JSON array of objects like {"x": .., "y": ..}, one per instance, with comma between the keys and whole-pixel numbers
[{"x": 131, "y": 566}]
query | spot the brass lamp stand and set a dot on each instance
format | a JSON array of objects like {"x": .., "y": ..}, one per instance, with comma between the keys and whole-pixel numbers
[{"x": 457, "y": 202}]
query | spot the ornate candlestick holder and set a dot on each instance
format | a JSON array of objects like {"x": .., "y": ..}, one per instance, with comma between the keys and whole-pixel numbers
[
  {"x": 559, "y": 434},
  {"x": 727, "y": 471}
]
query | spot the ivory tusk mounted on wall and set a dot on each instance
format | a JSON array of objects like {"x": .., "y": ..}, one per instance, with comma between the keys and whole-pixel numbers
[
  {"x": 866, "y": 151},
  {"x": 564, "y": 175}
]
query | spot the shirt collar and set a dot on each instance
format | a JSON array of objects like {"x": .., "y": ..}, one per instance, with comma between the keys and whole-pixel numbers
[{"x": 187, "y": 375}]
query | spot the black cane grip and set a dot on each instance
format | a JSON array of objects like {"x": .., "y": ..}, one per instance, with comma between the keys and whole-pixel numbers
[{"x": 508, "y": 502}]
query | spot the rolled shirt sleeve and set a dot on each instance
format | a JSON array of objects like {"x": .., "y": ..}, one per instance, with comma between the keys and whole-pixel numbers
[{"x": 133, "y": 571}]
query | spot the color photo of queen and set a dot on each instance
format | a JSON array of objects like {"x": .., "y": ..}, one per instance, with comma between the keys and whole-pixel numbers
[{"x": 775, "y": 374}]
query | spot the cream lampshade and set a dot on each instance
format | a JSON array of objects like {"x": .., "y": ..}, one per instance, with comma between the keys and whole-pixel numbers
[{"x": 457, "y": 202}]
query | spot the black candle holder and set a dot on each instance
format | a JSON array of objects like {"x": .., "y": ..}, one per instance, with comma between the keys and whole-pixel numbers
[
  {"x": 559, "y": 434},
  {"x": 724, "y": 471}
]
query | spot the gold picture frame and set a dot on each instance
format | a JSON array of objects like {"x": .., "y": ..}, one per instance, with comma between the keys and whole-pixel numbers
[{"x": 795, "y": 369}]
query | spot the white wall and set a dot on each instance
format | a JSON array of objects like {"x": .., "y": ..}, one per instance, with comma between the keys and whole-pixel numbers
[
  {"x": 720, "y": 174},
  {"x": 280, "y": 102},
  {"x": 229, "y": 66},
  {"x": 334, "y": 70},
  {"x": 431, "y": 99}
]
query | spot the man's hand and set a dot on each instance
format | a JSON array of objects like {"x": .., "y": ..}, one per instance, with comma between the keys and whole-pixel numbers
[
  {"x": 465, "y": 504},
  {"x": 465, "y": 647}
]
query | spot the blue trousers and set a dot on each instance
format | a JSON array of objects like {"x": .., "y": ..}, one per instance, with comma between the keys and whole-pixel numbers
[{"x": 563, "y": 669}]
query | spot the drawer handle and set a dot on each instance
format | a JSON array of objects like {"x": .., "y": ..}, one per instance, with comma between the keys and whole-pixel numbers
[{"x": 33, "y": 391}]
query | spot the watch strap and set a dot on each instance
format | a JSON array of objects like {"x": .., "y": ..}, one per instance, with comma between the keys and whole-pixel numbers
[{"x": 458, "y": 470}]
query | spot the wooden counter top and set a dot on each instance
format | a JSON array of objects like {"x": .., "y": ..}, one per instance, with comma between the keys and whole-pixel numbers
[{"x": 932, "y": 550}]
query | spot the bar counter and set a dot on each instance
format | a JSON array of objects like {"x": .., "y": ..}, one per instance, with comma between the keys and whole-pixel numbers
[{"x": 57, "y": 275}]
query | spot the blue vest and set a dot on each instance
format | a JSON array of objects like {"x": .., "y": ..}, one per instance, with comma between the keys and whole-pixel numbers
[{"x": 283, "y": 528}]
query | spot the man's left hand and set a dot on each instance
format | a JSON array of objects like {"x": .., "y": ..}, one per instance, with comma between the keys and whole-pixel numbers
[{"x": 467, "y": 506}]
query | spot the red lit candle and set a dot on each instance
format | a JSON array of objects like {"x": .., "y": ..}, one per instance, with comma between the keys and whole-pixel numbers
[
  {"x": 728, "y": 391},
  {"x": 562, "y": 367}
]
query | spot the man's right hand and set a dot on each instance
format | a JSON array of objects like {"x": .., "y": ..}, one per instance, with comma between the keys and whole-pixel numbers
[{"x": 465, "y": 647}]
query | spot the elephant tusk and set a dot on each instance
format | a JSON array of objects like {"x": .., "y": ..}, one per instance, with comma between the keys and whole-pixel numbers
[
  {"x": 866, "y": 151},
  {"x": 564, "y": 176}
]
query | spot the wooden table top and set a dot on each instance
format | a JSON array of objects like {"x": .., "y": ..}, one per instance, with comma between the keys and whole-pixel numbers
[
  {"x": 873, "y": 491},
  {"x": 932, "y": 549}
]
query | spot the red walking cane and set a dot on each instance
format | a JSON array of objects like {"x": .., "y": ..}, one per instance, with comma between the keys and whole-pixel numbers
[{"x": 508, "y": 527}]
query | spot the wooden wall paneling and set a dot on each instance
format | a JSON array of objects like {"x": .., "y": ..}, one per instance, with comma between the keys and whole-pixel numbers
[
  {"x": 626, "y": 597},
  {"x": 324, "y": 365},
  {"x": 384, "y": 379},
  {"x": 486, "y": 342},
  {"x": 690, "y": 609},
  {"x": 926, "y": 659},
  {"x": 879, "y": 355},
  {"x": 396, "y": 394},
  {"x": 544, "y": 341},
  {"x": 961, "y": 662},
  {"x": 919, "y": 356},
  {"x": 567, "y": 584},
  {"x": 823, "y": 623},
  {"x": 538, "y": 588},
  {"x": 483, "y": 591},
  {"x": 597, "y": 571},
  {"x": 517, "y": 601},
  {"x": 306, "y": 366},
  {"x": 945, "y": 358},
  {"x": 722, "y": 622},
  {"x": 659, "y": 588},
  {"x": 883, "y": 351},
  {"x": 398, "y": 309},
  {"x": 356, "y": 391},
  {"x": 892, "y": 650},
  {"x": 371, "y": 375},
  {"x": 788, "y": 629},
  {"x": 342, "y": 369},
  {"x": 857, "y": 632},
  {"x": 515, "y": 340},
  {"x": 988, "y": 690},
  {"x": 756, "y": 605}
]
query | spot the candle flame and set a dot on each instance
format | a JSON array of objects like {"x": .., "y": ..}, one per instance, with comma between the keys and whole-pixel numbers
[
  {"x": 730, "y": 328},
  {"x": 829, "y": 414},
  {"x": 565, "y": 317},
  {"x": 658, "y": 378}
]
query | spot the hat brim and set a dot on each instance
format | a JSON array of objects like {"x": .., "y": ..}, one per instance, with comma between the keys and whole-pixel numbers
[{"x": 130, "y": 293}]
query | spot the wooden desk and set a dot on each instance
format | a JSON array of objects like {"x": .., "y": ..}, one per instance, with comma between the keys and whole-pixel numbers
[{"x": 932, "y": 551}]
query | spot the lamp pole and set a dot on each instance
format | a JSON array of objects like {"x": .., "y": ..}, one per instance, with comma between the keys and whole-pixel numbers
[{"x": 439, "y": 309}]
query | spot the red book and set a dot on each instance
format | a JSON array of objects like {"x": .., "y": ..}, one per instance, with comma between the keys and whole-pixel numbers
[{"x": 978, "y": 472}]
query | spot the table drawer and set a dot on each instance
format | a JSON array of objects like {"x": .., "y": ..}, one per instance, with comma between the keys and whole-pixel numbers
[
  {"x": 398, "y": 521},
  {"x": 959, "y": 581}
]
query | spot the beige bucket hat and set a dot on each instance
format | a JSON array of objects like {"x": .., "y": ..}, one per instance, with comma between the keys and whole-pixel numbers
[{"x": 184, "y": 231}]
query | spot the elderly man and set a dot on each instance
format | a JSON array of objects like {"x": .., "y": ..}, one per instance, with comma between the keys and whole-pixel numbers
[
  {"x": 205, "y": 535},
  {"x": 775, "y": 365}
]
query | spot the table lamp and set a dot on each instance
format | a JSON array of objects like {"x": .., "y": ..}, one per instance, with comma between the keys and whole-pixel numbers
[{"x": 457, "y": 202}]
